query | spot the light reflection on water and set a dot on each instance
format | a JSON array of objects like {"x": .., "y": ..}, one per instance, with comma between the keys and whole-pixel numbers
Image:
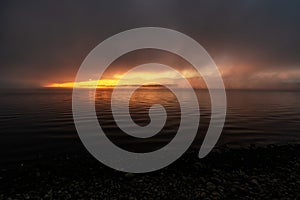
[{"x": 41, "y": 120}]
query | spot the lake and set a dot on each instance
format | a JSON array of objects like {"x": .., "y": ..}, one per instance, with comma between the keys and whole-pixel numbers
[{"x": 37, "y": 122}]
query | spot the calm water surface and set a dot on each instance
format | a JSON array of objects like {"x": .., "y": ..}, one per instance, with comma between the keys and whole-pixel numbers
[{"x": 40, "y": 121}]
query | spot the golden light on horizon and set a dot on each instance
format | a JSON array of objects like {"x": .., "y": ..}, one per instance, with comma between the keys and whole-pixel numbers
[
  {"x": 136, "y": 78},
  {"x": 96, "y": 84},
  {"x": 86, "y": 84}
]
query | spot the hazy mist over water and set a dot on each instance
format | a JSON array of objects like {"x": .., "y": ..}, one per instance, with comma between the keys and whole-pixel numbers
[{"x": 40, "y": 121}]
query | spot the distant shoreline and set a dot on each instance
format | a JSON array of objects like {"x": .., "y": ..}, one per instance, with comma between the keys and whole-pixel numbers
[{"x": 104, "y": 88}]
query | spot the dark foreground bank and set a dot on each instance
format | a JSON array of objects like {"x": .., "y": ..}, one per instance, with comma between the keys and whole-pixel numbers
[{"x": 271, "y": 172}]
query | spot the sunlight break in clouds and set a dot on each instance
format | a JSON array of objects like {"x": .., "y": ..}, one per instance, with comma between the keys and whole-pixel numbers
[{"x": 135, "y": 78}]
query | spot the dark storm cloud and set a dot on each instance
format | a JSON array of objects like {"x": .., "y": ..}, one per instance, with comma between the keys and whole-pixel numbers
[{"x": 47, "y": 41}]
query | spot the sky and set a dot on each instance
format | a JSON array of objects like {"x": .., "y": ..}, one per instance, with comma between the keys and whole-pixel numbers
[{"x": 255, "y": 44}]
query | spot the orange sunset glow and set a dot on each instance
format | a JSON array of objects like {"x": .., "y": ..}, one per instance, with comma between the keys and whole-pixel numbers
[
  {"x": 157, "y": 99},
  {"x": 85, "y": 84},
  {"x": 135, "y": 78}
]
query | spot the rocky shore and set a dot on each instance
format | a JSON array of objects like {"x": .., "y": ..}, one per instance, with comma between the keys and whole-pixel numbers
[{"x": 271, "y": 172}]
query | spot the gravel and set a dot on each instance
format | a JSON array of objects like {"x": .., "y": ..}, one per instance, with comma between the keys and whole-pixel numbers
[{"x": 271, "y": 172}]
